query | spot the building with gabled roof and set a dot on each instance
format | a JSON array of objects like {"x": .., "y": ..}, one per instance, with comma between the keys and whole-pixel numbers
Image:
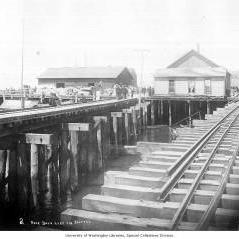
[
  {"x": 87, "y": 76},
  {"x": 192, "y": 74}
]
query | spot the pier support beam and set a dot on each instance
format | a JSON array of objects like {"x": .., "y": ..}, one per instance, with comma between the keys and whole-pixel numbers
[
  {"x": 127, "y": 116},
  {"x": 190, "y": 113},
  {"x": 152, "y": 112},
  {"x": 169, "y": 113},
  {"x": 38, "y": 160},
  {"x": 117, "y": 129},
  {"x": 145, "y": 113},
  {"x": 159, "y": 111},
  {"x": 74, "y": 158},
  {"x": 208, "y": 108},
  {"x": 102, "y": 139},
  {"x": 200, "y": 110},
  {"x": 3, "y": 166},
  {"x": 64, "y": 163}
]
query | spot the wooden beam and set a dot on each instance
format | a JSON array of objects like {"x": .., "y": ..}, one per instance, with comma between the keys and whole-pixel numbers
[
  {"x": 3, "y": 165},
  {"x": 116, "y": 114},
  {"x": 190, "y": 113},
  {"x": 170, "y": 113},
  {"x": 126, "y": 124},
  {"x": 76, "y": 126},
  {"x": 74, "y": 152},
  {"x": 64, "y": 164},
  {"x": 208, "y": 108},
  {"x": 116, "y": 129},
  {"x": 152, "y": 113},
  {"x": 43, "y": 139}
]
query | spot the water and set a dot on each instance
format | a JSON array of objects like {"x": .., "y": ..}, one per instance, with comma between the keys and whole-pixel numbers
[{"x": 50, "y": 206}]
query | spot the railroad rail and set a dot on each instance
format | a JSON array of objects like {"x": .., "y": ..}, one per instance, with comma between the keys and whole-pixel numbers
[
  {"x": 190, "y": 184},
  {"x": 193, "y": 175}
]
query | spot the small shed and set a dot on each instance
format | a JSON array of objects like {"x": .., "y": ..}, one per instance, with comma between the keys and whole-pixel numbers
[
  {"x": 87, "y": 76},
  {"x": 192, "y": 74}
]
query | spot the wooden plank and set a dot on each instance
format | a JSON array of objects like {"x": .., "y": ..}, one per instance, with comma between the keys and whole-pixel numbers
[
  {"x": 98, "y": 118},
  {"x": 44, "y": 139},
  {"x": 76, "y": 126},
  {"x": 53, "y": 111},
  {"x": 116, "y": 114},
  {"x": 129, "y": 111}
]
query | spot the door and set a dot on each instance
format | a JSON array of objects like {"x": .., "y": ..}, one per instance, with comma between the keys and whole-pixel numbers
[
  {"x": 207, "y": 87},
  {"x": 171, "y": 88}
]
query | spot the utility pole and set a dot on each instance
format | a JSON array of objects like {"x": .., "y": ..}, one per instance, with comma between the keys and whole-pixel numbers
[
  {"x": 141, "y": 54},
  {"x": 22, "y": 68}
]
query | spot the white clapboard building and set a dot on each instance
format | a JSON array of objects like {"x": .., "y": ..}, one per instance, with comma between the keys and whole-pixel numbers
[{"x": 192, "y": 74}]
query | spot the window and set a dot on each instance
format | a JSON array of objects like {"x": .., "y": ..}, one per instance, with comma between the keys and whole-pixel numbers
[
  {"x": 191, "y": 86},
  {"x": 171, "y": 88},
  {"x": 207, "y": 87},
  {"x": 60, "y": 85}
]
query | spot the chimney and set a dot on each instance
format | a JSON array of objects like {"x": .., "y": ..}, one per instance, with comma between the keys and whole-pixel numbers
[{"x": 198, "y": 48}]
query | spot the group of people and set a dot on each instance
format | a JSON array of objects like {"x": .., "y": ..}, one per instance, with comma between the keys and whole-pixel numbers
[{"x": 123, "y": 91}]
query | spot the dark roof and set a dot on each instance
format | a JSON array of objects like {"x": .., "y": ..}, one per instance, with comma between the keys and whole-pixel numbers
[
  {"x": 191, "y": 72},
  {"x": 82, "y": 72},
  {"x": 189, "y": 55}
]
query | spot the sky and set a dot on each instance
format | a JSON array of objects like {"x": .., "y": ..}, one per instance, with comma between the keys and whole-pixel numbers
[{"x": 61, "y": 33}]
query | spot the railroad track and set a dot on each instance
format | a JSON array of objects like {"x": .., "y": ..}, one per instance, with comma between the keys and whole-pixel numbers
[
  {"x": 202, "y": 185},
  {"x": 196, "y": 189},
  {"x": 15, "y": 116}
]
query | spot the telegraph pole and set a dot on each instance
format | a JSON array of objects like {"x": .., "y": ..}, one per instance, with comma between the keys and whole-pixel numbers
[
  {"x": 142, "y": 55},
  {"x": 22, "y": 68}
]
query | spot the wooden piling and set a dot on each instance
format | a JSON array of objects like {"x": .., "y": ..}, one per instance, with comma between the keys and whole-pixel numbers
[
  {"x": 64, "y": 164},
  {"x": 208, "y": 108},
  {"x": 126, "y": 124},
  {"x": 152, "y": 113},
  {"x": 116, "y": 122},
  {"x": 159, "y": 111},
  {"x": 23, "y": 176},
  {"x": 144, "y": 114},
  {"x": 102, "y": 139},
  {"x": 190, "y": 113},
  {"x": 53, "y": 172},
  {"x": 161, "y": 107},
  {"x": 92, "y": 153},
  {"x": 200, "y": 110},
  {"x": 74, "y": 160},
  {"x": 74, "y": 129},
  {"x": 3, "y": 162},
  {"x": 170, "y": 113},
  {"x": 34, "y": 172},
  {"x": 37, "y": 160},
  {"x": 134, "y": 121}
]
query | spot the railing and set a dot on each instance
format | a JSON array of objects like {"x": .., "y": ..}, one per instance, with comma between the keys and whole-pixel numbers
[{"x": 189, "y": 118}]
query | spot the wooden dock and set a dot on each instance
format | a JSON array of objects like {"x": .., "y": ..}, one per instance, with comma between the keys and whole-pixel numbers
[{"x": 189, "y": 184}]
